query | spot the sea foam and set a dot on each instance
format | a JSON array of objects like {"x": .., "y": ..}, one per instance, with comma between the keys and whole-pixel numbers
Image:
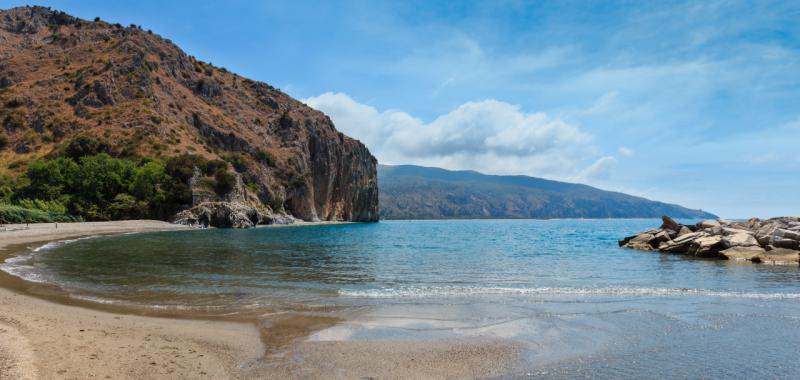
[
  {"x": 455, "y": 291},
  {"x": 21, "y": 266}
]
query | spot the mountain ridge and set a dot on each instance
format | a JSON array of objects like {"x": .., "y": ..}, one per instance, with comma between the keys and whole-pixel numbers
[
  {"x": 142, "y": 97},
  {"x": 418, "y": 192}
]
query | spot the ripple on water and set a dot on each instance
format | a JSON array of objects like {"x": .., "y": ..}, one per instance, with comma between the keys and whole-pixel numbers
[{"x": 580, "y": 305}]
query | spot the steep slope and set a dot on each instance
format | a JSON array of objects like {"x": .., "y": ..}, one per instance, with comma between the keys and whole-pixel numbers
[
  {"x": 139, "y": 94},
  {"x": 415, "y": 192}
]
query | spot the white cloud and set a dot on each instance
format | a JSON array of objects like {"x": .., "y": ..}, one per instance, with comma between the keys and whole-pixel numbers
[
  {"x": 604, "y": 103},
  {"x": 489, "y": 136},
  {"x": 599, "y": 170},
  {"x": 793, "y": 125},
  {"x": 624, "y": 151}
]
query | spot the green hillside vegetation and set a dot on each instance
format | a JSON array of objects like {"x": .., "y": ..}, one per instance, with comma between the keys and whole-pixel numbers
[
  {"x": 415, "y": 192},
  {"x": 83, "y": 182}
]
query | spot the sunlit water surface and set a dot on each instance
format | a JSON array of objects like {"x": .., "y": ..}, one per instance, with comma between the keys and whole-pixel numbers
[{"x": 578, "y": 304}]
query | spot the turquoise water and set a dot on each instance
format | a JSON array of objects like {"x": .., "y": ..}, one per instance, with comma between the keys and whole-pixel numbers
[{"x": 577, "y": 303}]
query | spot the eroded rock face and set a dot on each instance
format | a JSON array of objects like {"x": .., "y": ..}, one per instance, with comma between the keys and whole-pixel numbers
[
  {"x": 772, "y": 241},
  {"x": 228, "y": 214},
  {"x": 143, "y": 96}
]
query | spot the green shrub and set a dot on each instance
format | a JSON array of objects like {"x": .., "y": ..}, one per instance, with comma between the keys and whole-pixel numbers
[
  {"x": 265, "y": 158},
  {"x": 182, "y": 166},
  {"x": 17, "y": 214},
  {"x": 213, "y": 166},
  {"x": 148, "y": 179},
  {"x": 47, "y": 206},
  {"x": 8, "y": 187},
  {"x": 225, "y": 181},
  {"x": 101, "y": 187},
  {"x": 48, "y": 180},
  {"x": 126, "y": 206},
  {"x": 237, "y": 160},
  {"x": 84, "y": 146}
]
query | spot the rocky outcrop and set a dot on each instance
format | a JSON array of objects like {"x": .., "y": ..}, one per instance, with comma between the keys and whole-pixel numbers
[
  {"x": 772, "y": 241},
  {"x": 229, "y": 214},
  {"x": 143, "y": 96}
]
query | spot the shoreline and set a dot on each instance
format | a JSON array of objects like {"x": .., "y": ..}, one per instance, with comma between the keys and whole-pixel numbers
[
  {"x": 47, "y": 334},
  {"x": 44, "y": 337}
]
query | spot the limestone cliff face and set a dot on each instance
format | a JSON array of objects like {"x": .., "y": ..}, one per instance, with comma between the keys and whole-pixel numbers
[
  {"x": 61, "y": 76},
  {"x": 342, "y": 174}
]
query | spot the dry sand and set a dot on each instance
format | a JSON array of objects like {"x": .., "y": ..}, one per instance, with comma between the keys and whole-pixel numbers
[{"x": 42, "y": 339}]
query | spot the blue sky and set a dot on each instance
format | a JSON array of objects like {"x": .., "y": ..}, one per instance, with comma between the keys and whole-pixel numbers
[{"x": 696, "y": 103}]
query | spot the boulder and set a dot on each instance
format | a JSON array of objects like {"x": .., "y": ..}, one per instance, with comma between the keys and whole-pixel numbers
[
  {"x": 669, "y": 224},
  {"x": 684, "y": 230},
  {"x": 680, "y": 244},
  {"x": 706, "y": 246},
  {"x": 661, "y": 237},
  {"x": 643, "y": 241},
  {"x": 781, "y": 256},
  {"x": 283, "y": 219},
  {"x": 708, "y": 224},
  {"x": 626, "y": 240},
  {"x": 731, "y": 231},
  {"x": 743, "y": 253},
  {"x": 643, "y": 236},
  {"x": 718, "y": 230},
  {"x": 222, "y": 214},
  {"x": 752, "y": 224},
  {"x": 786, "y": 234},
  {"x": 740, "y": 239},
  {"x": 785, "y": 243},
  {"x": 689, "y": 237},
  {"x": 764, "y": 234}
]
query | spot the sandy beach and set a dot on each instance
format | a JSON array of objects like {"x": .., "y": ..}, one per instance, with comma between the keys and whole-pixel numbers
[{"x": 42, "y": 339}]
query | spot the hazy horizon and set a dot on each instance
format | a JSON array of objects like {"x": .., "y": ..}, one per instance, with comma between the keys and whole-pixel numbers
[{"x": 684, "y": 103}]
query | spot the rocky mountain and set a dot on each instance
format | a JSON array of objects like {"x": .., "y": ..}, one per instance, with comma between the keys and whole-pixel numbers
[
  {"x": 142, "y": 96},
  {"x": 415, "y": 192}
]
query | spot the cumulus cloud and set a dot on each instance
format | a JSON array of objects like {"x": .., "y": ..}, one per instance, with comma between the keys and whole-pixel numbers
[{"x": 490, "y": 136}]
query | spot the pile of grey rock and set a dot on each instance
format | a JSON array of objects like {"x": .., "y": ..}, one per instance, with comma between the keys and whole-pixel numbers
[
  {"x": 771, "y": 241},
  {"x": 229, "y": 215}
]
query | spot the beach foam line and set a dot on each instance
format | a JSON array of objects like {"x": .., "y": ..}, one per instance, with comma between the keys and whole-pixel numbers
[
  {"x": 20, "y": 266},
  {"x": 432, "y": 292},
  {"x": 59, "y": 243}
]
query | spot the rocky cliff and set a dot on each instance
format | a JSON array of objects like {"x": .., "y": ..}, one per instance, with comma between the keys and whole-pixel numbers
[
  {"x": 772, "y": 241},
  {"x": 142, "y": 96}
]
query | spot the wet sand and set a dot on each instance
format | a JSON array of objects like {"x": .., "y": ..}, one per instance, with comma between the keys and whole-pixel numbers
[{"x": 43, "y": 339}]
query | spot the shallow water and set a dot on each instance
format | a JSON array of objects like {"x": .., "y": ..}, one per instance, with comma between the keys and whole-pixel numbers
[{"x": 578, "y": 304}]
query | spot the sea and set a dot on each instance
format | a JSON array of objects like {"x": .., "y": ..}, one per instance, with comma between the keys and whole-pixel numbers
[{"x": 577, "y": 304}]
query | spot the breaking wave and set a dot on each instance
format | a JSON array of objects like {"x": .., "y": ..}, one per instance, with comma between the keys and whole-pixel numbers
[{"x": 431, "y": 292}]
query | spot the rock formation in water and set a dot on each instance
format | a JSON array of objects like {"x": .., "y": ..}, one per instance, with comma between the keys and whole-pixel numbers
[
  {"x": 772, "y": 241},
  {"x": 142, "y": 96}
]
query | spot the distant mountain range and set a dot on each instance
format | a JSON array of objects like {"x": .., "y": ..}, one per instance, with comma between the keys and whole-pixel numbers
[{"x": 416, "y": 192}]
